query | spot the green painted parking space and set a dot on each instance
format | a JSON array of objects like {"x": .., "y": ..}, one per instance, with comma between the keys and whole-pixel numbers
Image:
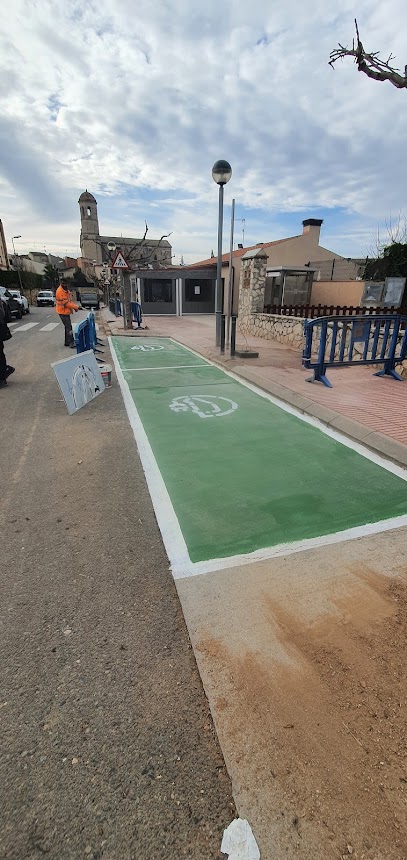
[
  {"x": 154, "y": 352},
  {"x": 152, "y": 378},
  {"x": 242, "y": 473}
]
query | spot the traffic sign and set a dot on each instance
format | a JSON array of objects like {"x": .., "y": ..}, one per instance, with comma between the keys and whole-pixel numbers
[{"x": 119, "y": 262}]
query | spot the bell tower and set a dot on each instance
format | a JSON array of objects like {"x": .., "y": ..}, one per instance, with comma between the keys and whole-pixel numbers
[{"x": 90, "y": 239}]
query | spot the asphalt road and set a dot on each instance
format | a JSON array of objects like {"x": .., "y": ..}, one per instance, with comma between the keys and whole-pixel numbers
[{"x": 107, "y": 747}]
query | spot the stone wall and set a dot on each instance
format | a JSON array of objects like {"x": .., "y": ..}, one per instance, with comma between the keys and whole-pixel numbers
[
  {"x": 252, "y": 284},
  {"x": 289, "y": 330}
]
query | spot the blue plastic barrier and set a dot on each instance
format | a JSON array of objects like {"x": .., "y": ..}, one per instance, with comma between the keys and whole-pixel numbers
[
  {"x": 136, "y": 313},
  {"x": 85, "y": 335},
  {"x": 82, "y": 336},
  {"x": 93, "y": 333},
  {"x": 332, "y": 342}
]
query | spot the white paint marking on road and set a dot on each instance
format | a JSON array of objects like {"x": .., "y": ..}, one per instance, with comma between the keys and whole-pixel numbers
[
  {"x": 15, "y": 322},
  {"x": 146, "y": 347},
  {"x": 213, "y": 564},
  {"x": 49, "y": 326},
  {"x": 206, "y": 406},
  {"x": 181, "y": 565},
  {"x": 314, "y": 422},
  {"x": 26, "y": 326},
  {"x": 166, "y": 517},
  {"x": 170, "y": 367}
]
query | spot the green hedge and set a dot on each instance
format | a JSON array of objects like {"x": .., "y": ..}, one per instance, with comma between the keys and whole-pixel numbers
[{"x": 30, "y": 280}]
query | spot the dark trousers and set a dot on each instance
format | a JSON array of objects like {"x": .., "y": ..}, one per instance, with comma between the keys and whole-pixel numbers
[
  {"x": 3, "y": 363},
  {"x": 66, "y": 320}
]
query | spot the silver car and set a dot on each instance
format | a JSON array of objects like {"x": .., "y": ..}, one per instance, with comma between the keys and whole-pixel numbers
[{"x": 21, "y": 300}]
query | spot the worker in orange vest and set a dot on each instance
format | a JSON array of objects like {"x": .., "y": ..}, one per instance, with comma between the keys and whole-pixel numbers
[{"x": 64, "y": 308}]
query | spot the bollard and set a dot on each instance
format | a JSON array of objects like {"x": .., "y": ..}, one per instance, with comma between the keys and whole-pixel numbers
[
  {"x": 233, "y": 337},
  {"x": 222, "y": 333}
]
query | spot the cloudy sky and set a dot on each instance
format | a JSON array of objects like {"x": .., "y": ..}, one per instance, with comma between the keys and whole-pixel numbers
[{"x": 135, "y": 101}]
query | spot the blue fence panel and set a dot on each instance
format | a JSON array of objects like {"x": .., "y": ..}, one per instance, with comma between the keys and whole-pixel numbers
[
  {"x": 85, "y": 334},
  {"x": 136, "y": 313},
  {"x": 385, "y": 334},
  {"x": 82, "y": 336}
]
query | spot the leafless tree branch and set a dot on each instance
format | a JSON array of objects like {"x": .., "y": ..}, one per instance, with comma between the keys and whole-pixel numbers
[
  {"x": 370, "y": 63},
  {"x": 145, "y": 260}
]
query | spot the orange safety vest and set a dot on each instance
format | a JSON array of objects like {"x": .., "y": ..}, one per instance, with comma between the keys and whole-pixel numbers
[{"x": 64, "y": 304}]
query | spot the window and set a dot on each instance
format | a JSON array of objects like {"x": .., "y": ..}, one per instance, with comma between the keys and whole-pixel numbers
[
  {"x": 198, "y": 290},
  {"x": 158, "y": 291},
  {"x": 88, "y": 212}
]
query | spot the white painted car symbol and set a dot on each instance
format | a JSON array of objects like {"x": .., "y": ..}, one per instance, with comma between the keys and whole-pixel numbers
[
  {"x": 203, "y": 405},
  {"x": 146, "y": 348}
]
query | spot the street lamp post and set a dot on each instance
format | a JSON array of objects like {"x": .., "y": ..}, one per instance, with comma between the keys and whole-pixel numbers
[
  {"x": 18, "y": 267},
  {"x": 221, "y": 173}
]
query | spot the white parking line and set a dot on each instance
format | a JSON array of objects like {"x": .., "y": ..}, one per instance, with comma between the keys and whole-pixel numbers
[
  {"x": 26, "y": 326},
  {"x": 49, "y": 326},
  {"x": 169, "y": 367}
]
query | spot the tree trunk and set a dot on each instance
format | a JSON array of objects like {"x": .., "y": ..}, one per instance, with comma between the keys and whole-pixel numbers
[{"x": 128, "y": 324}]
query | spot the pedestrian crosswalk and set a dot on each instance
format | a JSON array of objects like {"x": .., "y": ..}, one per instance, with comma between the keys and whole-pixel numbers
[
  {"x": 27, "y": 326},
  {"x": 49, "y": 326}
]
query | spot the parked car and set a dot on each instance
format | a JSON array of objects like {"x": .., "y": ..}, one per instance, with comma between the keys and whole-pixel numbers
[
  {"x": 90, "y": 299},
  {"x": 45, "y": 297},
  {"x": 21, "y": 299},
  {"x": 13, "y": 305}
]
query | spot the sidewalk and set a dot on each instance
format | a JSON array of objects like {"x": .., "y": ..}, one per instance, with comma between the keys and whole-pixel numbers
[{"x": 366, "y": 408}]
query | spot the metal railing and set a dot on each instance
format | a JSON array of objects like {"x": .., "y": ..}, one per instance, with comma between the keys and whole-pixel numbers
[
  {"x": 345, "y": 341},
  {"x": 313, "y": 311},
  {"x": 115, "y": 308}
]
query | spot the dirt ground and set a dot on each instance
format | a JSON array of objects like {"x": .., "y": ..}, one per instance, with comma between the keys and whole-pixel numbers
[{"x": 319, "y": 677}]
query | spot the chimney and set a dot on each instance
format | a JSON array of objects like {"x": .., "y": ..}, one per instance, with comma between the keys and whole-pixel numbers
[{"x": 313, "y": 226}]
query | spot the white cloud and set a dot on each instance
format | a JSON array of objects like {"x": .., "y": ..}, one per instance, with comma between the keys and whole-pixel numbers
[{"x": 136, "y": 103}]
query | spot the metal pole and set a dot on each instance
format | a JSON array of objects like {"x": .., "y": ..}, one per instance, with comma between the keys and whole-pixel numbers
[
  {"x": 222, "y": 333},
  {"x": 283, "y": 290},
  {"x": 218, "y": 291},
  {"x": 230, "y": 281},
  {"x": 123, "y": 297},
  {"x": 233, "y": 337},
  {"x": 18, "y": 269}
]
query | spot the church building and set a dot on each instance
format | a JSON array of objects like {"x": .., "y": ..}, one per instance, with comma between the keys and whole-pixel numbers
[
  {"x": 172, "y": 289},
  {"x": 148, "y": 253}
]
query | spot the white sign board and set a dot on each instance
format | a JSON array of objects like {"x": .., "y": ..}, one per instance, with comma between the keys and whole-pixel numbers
[
  {"x": 79, "y": 379},
  {"x": 119, "y": 262},
  {"x": 393, "y": 291}
]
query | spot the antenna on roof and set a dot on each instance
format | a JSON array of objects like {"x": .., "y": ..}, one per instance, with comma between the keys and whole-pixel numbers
[{"x": 243, "y": 220}]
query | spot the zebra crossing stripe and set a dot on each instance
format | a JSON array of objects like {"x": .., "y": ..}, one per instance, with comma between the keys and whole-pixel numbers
[
  {"x": 49, "y": 326},
  {"x": 26, "y": 327}
]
